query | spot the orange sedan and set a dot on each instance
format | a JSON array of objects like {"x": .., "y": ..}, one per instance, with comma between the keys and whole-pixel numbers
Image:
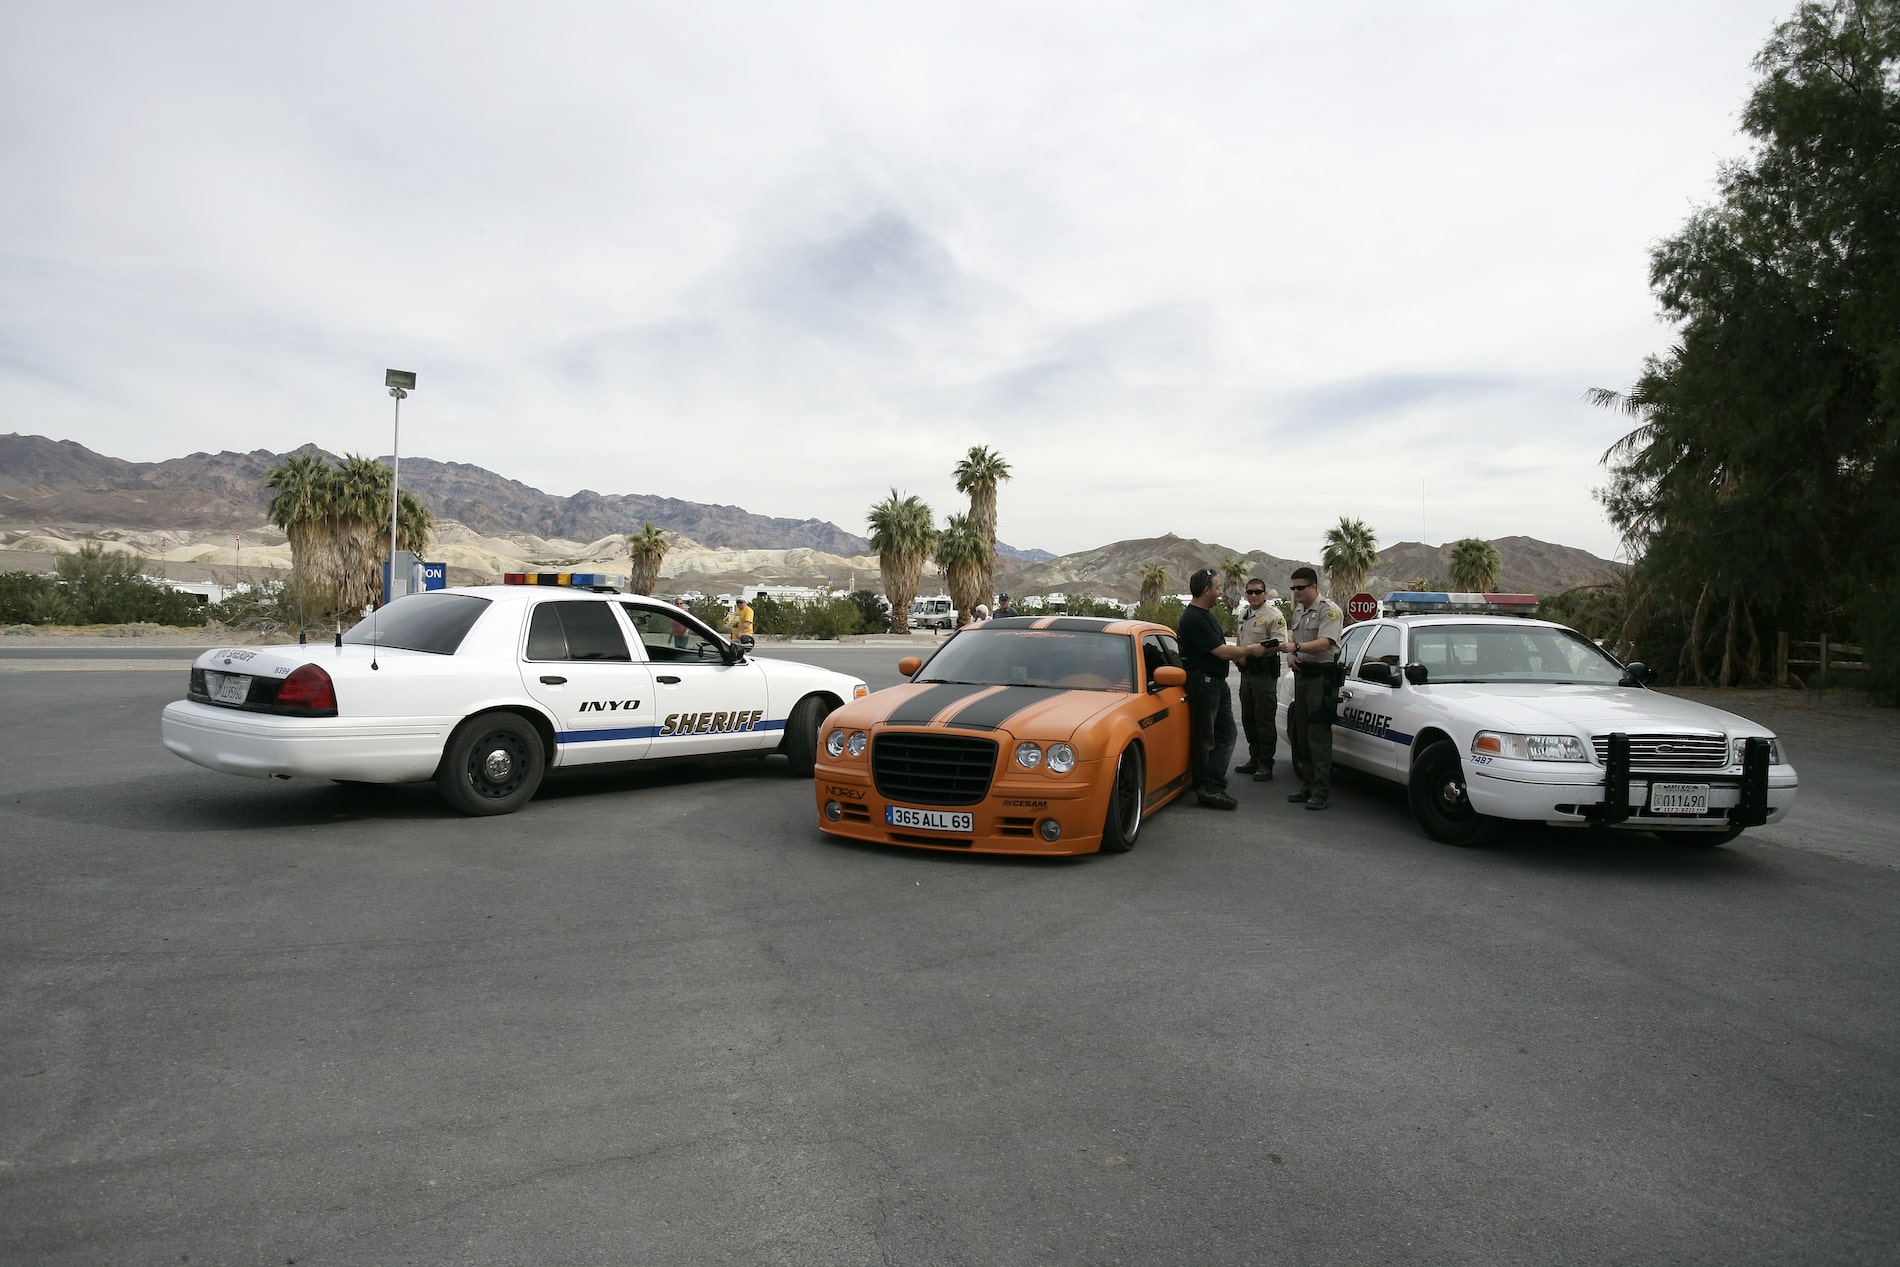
[{"x": 1026, "y": 735}]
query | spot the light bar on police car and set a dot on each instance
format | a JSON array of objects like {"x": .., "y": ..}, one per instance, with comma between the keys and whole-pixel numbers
[
  {"x": 1430, "y": 603},
  {"x": 571, "y": 580}
]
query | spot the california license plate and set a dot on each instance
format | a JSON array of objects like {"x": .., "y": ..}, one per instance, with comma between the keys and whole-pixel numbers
[
  {"x": 1678, "y": 798},
  {"x": 230, "y": 688},
  {"x": 928, "y": 819}
]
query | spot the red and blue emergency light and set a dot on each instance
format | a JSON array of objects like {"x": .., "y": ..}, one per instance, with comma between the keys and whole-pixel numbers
[{"x": 1428, "y": 603}]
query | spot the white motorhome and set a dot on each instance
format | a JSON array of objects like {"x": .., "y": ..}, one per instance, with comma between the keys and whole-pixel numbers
[{"x": 933, "y": 613}]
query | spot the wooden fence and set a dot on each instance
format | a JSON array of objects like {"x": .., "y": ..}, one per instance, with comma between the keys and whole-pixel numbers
[{"x": 1822, "y": 654}]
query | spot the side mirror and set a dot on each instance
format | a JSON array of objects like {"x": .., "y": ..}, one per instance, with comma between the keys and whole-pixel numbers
[
  {"x": 1381, "y": 672},
  {"x": 909, "y": 665},
  {"x": 1636, "y": 673},
  {"x": 1417, "y": 674},
  {"x": 1170, "y": 675}
]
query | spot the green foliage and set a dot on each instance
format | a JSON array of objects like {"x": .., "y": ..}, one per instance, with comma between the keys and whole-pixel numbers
[
  {"x": 823, "y": 618},
  {"x": 273, "y": 606},
  {"x": 1474, "y": 566},
  {"x": 27, "y": 598},
  {"x": 713, "y": 612},
  {"x": 1757, "y": 489},
  {"x": 104, "y": 587},
  {"x": 1879, "y": 612},
  {"x": 1351, "y": 550},
  {"x": 872, "y": 618},
  {"x": 902, "y": 533},
  {"x": 1596, "y": 611}
]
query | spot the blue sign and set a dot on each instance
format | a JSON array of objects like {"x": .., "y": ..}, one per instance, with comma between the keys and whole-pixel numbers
[{"x": 435, "y": 576}]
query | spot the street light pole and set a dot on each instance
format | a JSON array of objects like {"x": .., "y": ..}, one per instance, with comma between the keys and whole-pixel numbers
[{"x": 400, "y": 383}]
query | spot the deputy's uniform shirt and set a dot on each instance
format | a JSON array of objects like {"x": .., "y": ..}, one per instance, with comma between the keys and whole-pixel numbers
[
  {"x": 1256, "y": 627},
  {"x": 1322, "y": 620}
]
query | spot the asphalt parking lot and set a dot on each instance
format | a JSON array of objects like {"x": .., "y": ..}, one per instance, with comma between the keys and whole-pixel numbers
[{"x": 658, "y": 1018}]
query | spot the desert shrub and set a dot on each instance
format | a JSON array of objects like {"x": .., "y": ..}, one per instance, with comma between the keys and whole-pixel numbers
[
  {"x": 874, "y": 616},
  {"x": 821, "y": 618},
  {"x": 27, "y": 598},
  {"x": 712, "y": 611}
]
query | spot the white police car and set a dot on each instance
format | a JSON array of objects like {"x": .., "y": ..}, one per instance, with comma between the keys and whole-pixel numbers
[
  {"x": 1487, "y": 718},
  {"x": 484, "y": 689}
]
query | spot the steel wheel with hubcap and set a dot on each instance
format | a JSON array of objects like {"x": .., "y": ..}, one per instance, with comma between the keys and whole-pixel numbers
[
  {"x": 1440, "y": 804},
  {"x": 493, "y": 765}
]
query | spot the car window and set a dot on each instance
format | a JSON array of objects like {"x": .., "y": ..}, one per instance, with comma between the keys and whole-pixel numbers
[
  {"x": 575, "y": 631},
  {"x": 673, "y": 636},
  {"x": 1035, "y": 657},
  {"x": 435, "y": 623},
  {"x": 1507, "y": 653},
  {"x": 1350, "y": 644},
  {"x": 1158, "y": 651},
  {"x": 1383, "y": 648}
]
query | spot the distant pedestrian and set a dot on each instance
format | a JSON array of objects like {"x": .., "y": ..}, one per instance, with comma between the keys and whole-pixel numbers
[
  {"x": 981, "y": 616},
  {"x": 1206, "y": 652},
  {"x": 1313, "y": 652},
  {"x": 740, "y": 623},
  {"x": 1002, "y": 607},
  {"x": 1262, "y": 631}
]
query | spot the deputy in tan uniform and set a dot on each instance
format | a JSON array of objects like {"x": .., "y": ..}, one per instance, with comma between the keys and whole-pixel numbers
[
  {"x": 1262, "y": 631},
  {"x": 1313, "y": 649}
]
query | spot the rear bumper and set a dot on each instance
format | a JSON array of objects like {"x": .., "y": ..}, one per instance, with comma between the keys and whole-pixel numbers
[{"x": 263, "y": 746}]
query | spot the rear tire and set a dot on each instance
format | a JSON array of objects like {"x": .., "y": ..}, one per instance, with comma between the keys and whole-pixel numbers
[
  {"x": 801, "y": 735},
  {"x": 1124, "y": 803},
  {"x": 1440, "y": 804},
  {"x": 493, "y": 765}
]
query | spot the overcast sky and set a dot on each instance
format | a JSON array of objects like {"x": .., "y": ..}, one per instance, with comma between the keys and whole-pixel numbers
[{"x": 1230, "y": 271}]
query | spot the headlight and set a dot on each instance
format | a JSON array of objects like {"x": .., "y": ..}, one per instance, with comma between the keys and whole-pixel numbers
[
  {"x": 1061, "y": 758},
  {"x": 857, "y": 742},
  {"x": 1530, "y": 747},
  {"x": 1028, "y": 756},
  {"x": 834, "y": 743},
  {"x": 1739, "y": 747}
]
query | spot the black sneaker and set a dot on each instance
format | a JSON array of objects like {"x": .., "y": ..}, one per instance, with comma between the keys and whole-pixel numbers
[
  {"x": 1249, "y": 768},
  {"x": 1316, "y": 802},
  {"x": 1299, "y": 797},
  {"x": 1263, "y": 775},
  {"x": 1217, "y": 800}
]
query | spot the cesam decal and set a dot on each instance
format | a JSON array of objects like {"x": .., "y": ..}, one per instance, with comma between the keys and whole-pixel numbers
[{"x": 710, "y": 723}]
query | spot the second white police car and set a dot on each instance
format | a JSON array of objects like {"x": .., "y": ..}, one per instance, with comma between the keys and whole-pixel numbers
[
  {"x": 486, "y": 688},
  {"x": 1486, "y": 718}
]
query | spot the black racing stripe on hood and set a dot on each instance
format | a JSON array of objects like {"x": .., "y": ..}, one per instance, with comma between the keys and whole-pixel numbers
[
  {"x": 990, "y": 712},
  {"x": 924, "y": 705},
  {"x": 1077, "y": 624}
]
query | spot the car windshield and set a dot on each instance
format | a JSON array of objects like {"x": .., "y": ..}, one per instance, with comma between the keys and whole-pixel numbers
[
  {"x": 1503, "y": 653},
  {"x": 435, "y": 623},
  {"x": 1035, "y": 657}
]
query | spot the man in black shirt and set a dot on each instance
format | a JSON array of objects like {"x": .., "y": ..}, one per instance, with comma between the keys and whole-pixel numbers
[{"x": 1205, "y": 650}]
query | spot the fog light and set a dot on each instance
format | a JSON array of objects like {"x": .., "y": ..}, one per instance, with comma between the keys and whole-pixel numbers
[
  {"x": 834, "y": 811},
  {"x": 1050, "y": 830}
]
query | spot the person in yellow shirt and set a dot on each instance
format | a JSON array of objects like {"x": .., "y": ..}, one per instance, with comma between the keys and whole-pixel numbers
[{"x": 740, "y": 622}]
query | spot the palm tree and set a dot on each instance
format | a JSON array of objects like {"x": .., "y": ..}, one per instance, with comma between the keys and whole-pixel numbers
[
  {"x": 1233, "y": 573},
  {"x": 303, "y": 487},
  {"x": 978, "y": 474},
  {"x": 647, "y": 549},
  {"x": 415, "y": 525},
  {"x": 1474, "y": 565},
  {"x": 962, "y": 552},
  {"x": 359, "y": 514},
  {"x": 1350, "y": 552},
  {"x": 1154, "y": 579},
  {"x": 902, "y": 534}
]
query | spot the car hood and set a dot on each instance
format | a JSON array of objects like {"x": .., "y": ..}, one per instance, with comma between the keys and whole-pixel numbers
[
  {"x": 1534, "y": 708},
  {"x": 1043, "y": 712}
]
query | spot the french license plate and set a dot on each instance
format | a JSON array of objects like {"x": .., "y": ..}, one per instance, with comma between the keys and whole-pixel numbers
[
  {"x": 1678, "y": 798},
  {"x": 928, "y": 819},
  {"x": 229, "y": 688}
]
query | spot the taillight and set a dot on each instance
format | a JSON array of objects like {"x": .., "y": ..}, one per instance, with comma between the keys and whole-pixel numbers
[
  {"x": 308, "y": 690},
  {"x": 196, "y": 688}
]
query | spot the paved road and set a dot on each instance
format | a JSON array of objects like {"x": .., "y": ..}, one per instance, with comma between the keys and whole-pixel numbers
[{"x": 656, "y": 1018}]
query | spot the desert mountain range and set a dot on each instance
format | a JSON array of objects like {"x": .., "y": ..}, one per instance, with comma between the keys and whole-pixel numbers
[{"x": 204, "y": 517}]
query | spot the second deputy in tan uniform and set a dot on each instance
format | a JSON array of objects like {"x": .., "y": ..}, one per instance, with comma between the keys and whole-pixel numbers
[
  {"x": 1313, "y": 648},
  {"x": 1262, "y": 631}
]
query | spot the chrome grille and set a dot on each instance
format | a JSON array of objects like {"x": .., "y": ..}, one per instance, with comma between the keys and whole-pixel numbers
[
  {"x": 932, "y": 769},
  {"x": 1670, "y": 752}
]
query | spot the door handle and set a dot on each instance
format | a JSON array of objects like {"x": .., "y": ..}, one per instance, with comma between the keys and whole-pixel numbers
[
  {"x": 667, "y": 680},
  {"x": 548, "y": 679},
  {"x": 1345, "y": 695}
]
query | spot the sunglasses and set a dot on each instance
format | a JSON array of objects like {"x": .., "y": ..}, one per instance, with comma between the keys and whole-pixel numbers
[
  {"x": 1303, "y": 585},
  {"x": 1256, "y": 591}
]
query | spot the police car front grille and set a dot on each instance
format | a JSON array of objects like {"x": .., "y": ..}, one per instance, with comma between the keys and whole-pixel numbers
[
  {"x": 931, "y": 769},
  {"x": 1670, "y": 752}
]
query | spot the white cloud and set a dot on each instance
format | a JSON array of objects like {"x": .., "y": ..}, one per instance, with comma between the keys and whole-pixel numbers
[{"x": 1226, "y": 270}]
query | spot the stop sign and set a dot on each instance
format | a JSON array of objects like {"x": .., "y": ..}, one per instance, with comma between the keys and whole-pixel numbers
[{"x": 1362, "y": 606}]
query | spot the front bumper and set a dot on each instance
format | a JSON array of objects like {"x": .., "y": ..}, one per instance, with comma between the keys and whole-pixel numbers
[
  {"x": 1009, "y": 820},
  {"x": 1589, "y": 794}
]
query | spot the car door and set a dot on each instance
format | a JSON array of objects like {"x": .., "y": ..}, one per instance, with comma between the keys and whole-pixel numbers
[
  {"x": 576, "y": 663},
  {"x": 1368, "y": 706},
  {"x": 1346, "y": 745},
  {"x": 1166, "y": 733},
  {"x": 705, "y": 704}
]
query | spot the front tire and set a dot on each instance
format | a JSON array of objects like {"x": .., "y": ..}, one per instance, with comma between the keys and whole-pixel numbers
[
  {"x": 493, "y": 765},
  {"x": 801, "y": 735},
  {"x": 1124, "y": 803},
  {"x": 1440, "y": 803}
]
